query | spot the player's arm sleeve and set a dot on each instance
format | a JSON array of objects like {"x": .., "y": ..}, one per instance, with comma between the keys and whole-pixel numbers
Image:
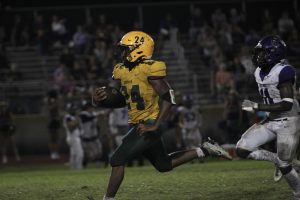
[
  {"x": 285, "y": 86},
  {"x": 157, "y": 71}
]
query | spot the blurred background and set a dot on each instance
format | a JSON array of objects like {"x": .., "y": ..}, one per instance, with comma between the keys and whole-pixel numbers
[{"x": 54, "y": 52}]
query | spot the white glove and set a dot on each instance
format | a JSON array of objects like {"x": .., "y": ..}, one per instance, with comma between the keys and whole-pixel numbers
[{"x": 249, "y": 106}]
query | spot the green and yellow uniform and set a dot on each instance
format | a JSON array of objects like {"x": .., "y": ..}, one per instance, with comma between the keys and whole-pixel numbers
[
  {"x": 142, "y": 102},
  {"x": 141, "y": 99}
]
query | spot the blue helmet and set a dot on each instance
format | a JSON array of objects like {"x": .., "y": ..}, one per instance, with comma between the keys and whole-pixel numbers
[{"x": 268, "y": 51}]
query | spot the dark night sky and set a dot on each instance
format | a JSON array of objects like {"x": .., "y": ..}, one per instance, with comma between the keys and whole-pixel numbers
[{"x": 43, "y": 3}]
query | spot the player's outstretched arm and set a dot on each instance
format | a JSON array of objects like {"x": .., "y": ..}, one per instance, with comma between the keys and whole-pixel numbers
[
  {"x": 286, "y": 94},
  {"x": 167, "y": 98}
]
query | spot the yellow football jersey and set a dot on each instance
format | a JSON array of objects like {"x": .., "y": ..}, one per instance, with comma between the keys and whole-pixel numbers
[{"x": 141, "y": 98}]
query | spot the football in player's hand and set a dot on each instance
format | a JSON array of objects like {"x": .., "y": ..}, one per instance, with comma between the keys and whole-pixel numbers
[{"x": 114, "y": 98}]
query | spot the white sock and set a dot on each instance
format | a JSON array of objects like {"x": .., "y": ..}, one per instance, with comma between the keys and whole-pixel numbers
[
  {"x": 293, "y": 180},
  {"x": 263, "y": 155},
  {"x": 108, "y": 198},
  {"x": 199, "y": 152}
]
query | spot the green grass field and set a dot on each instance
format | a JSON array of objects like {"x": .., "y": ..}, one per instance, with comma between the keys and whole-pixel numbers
[{"x": 213, "y": 180}]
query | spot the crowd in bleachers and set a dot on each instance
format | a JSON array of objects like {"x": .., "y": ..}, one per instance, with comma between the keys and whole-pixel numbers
[
  {"x": 225, "y": 41},
  {"x": 86, "y": 52}
]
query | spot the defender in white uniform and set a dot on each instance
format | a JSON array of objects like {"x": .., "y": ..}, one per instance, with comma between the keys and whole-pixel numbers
[
  {"x": 276, "y": 80},
  {"x": 118, "y": 125},
  {"x": 73, "y": 131},
  {"x": 190, "y": 121},
  {"x": 90, "y": 139}
]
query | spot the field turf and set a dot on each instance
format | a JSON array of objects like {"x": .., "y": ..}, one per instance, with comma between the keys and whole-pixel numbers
[{"x": 212, "y": 180}]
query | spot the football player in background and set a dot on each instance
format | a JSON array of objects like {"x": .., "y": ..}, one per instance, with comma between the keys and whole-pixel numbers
[
  {"x": 118, "y": 125},
  {"x": 54, "y": 123},
  {"x": 275, "y": 79},
  {"x": 190, "y": 121},
  {"x": 149, "y": 99},
  {"x": 90, "y": 138},
  {"x": 72, "y": 126}
]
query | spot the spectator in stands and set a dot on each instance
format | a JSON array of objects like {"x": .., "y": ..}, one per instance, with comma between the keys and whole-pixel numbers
[
  {"x": 196, "y": 22},
  {"x": 59, "y": 30},
  {"x": 225, "y": 38},
  {"x": 62, "y": 80},
  {"x": 108, "y": 62},
  {"x": 267, "y": 23},
  {"x": 100, "y": 51},
  {"x": 232, "y": 115},
  {"x": 67, "y": 58},
  {"x": 38, "y": 22},
  {"x": 16, "y": 31},
  {"x": 238, "y": 38},
  {"x": 294, "y": 43},
  {"x": 224, "y": 80},
  {"x": 251, "y": 38},
  {"x": 94, "y": 70},
  {"x": 54, "y": 123},
  {"x": 238, "y": 70},
  {"x": 43, "y": 42},
  {"x": 168, "y": 27},
  {"x": 218, "y": 18},
  {"x": 116, "y": 34},
  {"x": 236, "y": 18},
  {"x": 102, "y": 22},
  {"x": 14, "y": 74},
  {"x": 80, "y": 40},
  {"x": 7, "y": 131},
  {"x": 285, "y": 25},
  {"x": 206, "y": 42},
  {"x": 78, "y": 72},
  {"x": 246, "y": 60}
]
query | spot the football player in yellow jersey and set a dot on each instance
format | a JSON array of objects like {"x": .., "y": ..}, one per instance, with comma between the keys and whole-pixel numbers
[{"x": 149, "y": 99}]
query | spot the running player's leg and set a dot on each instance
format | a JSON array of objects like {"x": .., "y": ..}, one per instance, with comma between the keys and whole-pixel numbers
[
  {"x": 287, "y": 141},
  {"x": 133, "y": 145},
  {"x": 255, "y": 136}
]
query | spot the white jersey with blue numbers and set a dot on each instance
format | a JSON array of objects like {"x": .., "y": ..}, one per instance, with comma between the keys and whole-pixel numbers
[
  {"x": 268, "y": 87},
  {"x": 89, "y": 124},
  {"x": 119, "y": 117}
]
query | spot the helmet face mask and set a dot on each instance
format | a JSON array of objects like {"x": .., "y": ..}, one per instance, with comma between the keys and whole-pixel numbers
[
  {"x": 261, "y": 58},
  {"x": 269, "y": 51},
  {"x": 122, "y": 53},
  {"x": 136, "y": 45}
]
